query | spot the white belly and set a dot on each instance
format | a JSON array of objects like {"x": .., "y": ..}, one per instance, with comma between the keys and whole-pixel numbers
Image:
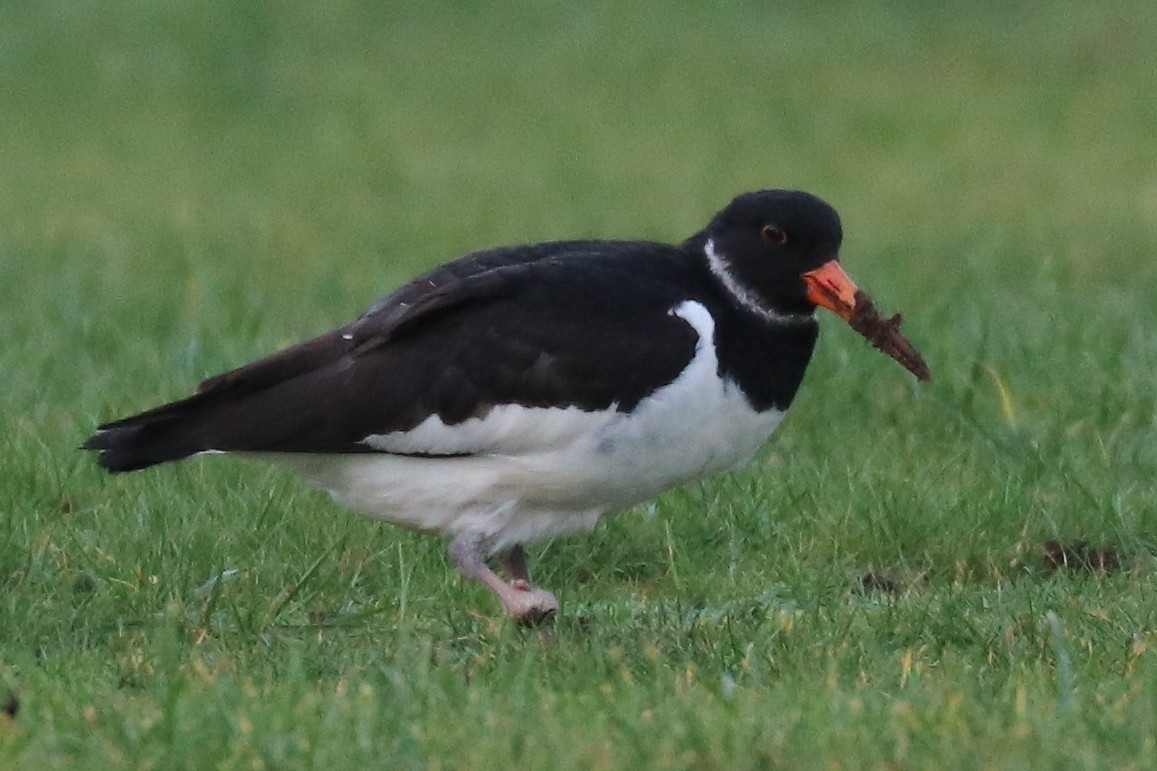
[{"x": 540, "y": 472}]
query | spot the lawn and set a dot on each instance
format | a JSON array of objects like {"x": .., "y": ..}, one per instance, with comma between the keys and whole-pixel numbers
[{"x": 957, "y": 575}]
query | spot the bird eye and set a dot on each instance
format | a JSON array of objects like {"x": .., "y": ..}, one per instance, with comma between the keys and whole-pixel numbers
[{"x": 773, "y": 235}]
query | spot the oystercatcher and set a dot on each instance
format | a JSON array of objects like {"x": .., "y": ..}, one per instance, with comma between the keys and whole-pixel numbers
[{"x": 522, "y": 393}]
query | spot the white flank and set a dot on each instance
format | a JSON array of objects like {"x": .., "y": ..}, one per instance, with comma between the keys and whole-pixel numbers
[
  {"x": 744, "y": 296},
  {"x": 535, "y": 473},
  {"x": 508, "y": 429}
]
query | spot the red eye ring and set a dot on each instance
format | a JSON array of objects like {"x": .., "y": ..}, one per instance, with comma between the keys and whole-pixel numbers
[{"x": 773, "y": 235}]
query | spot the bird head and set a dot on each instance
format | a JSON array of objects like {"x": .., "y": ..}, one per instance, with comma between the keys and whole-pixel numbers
[{"x": 777, "y": 253}]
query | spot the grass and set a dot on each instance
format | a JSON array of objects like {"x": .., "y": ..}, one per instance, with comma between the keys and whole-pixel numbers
[{"x": 187, "y": 185}]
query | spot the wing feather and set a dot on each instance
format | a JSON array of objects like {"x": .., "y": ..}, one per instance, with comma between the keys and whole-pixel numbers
[{"x": 583, "y": 325}]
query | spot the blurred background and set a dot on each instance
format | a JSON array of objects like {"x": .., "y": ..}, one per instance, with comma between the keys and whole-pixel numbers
[{"x": 344, "y": 144}]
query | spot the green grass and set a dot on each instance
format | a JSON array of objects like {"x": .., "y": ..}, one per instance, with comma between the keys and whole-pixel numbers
[{"x": 186, "y": 185}]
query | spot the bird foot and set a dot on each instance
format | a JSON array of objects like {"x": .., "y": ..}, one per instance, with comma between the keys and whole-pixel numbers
[{"x": 528, "y": 606}]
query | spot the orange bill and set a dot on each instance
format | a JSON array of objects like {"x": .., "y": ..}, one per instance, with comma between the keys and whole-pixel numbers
[{"x": 829, "y": 287}]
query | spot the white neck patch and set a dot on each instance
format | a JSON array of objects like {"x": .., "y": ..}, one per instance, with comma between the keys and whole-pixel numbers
[{"x": 743, "y": 295}]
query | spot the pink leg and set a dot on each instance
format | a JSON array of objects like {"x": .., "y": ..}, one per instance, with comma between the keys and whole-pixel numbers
[{"x": 523, "y": 603}]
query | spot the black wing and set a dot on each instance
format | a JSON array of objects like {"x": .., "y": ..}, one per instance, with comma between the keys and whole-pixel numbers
[{"x": 584, "y": 324}]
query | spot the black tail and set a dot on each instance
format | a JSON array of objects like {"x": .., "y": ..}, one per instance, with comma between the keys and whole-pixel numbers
[
  {"x": 258, "y": 406},
  {"x": 143, "y": 440}
]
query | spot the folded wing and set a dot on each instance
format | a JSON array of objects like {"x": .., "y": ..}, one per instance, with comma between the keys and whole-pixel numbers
[{"x": 565, "y": 326}]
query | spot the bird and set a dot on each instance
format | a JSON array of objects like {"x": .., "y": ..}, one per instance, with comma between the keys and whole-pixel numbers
[{"x": 523, "y": 393}]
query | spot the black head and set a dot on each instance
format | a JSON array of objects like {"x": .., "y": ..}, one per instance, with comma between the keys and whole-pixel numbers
[
  {"x": 776, "y": 253},
  {"x": 764, "y": 242}
]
